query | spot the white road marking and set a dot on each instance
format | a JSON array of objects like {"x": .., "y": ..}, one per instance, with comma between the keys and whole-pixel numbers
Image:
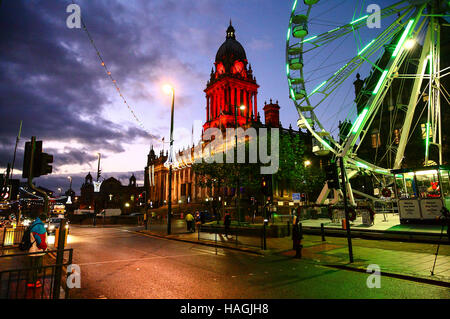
[{"x": 138, "y": 259}]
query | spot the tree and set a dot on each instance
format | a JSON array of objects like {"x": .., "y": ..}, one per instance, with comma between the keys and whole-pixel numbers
[{"x": 291, "y": 171}]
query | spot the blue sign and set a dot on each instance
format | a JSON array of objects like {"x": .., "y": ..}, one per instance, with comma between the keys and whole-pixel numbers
[{"x": 296, "y": 197}]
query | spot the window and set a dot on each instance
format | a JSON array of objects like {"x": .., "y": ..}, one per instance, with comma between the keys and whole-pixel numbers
[
  {"x": 376, "y": 140},
  {"x": 406, "y": 186},
  {"x": 428, "y": 184},
  {"x": 396, "y": 136}
]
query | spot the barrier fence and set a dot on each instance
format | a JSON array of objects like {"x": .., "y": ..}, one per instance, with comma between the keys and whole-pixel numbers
[
  {"x": 14, "y": 282},
  {"x": 235, "y": 236}
]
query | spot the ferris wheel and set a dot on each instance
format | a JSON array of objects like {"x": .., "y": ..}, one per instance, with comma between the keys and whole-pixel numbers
[{"x": 397, "y": 48}]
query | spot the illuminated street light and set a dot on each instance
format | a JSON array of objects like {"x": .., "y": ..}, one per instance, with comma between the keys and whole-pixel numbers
[
  {"x": 70, "y": 187},
  {"x": 127, "y": 204},
  {"x": 238, "y": 193},
  {"x": 168, "y": 89},
  {"x": 307, "y": 163}
]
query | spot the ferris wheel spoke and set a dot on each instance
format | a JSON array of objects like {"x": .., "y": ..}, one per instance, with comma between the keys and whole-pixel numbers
[
  {"x": 380, "y": 89},
  {"x": 390, "y": 61},
  {"x": 324, "y": 38}
]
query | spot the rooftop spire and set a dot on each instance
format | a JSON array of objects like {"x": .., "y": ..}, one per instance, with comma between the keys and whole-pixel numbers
[{"x": 230, "y": 32}]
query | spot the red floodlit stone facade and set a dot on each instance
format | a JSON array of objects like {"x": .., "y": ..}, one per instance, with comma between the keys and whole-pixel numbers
[{"x": 231, "y": 85}]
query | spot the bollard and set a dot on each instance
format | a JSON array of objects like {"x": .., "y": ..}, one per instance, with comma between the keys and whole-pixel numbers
[
  {"x": 298, "y": 248},
  {"x": 59, "y": 259},
  {"x": 288, "y": 228},
  {"x": 322, "y": 231},
  {"x": 264, "y": 234},
  {"x": 300, "y": 230}
]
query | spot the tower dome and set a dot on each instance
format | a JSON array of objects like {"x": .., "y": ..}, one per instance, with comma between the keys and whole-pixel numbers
[{"x": 231, "y": 50}]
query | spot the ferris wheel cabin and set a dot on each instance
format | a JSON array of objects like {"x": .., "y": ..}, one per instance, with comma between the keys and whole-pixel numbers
[{"x": 421, "y": 193}]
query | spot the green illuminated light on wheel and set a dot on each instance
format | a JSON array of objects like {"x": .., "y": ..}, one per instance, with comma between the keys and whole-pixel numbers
[
  {"x": 402, "y": 39},
  {"x": 333, "y": 30},
  {"x": 380, "y": 81},
  {"x": 359, "y": 121},
  {"x": 317, "y": 88},
  {"x": 288, "y": 34},
  {"x": 326, "y": 145},
  {"x": 362, "y": 165},
  {"x": 366, "y": 47},
  {"x": 427, "y": 142},
  {"x": 309, "y": 39},
  {"x": 287, "y": 69},
  {"x": 357, "y": 20},
  {"x": 295, "y": 4}
]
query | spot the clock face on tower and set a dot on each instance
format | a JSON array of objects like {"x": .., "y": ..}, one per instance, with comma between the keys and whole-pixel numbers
[
  {"x": 238, "y": 67},
  {"x": 220, "y": 68}
]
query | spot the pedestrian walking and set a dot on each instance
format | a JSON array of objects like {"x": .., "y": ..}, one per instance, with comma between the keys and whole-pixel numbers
[
  {"x": 227, "y": 223},
  {"x": 197, "y": 219},
  {"x": 296, "y": 239},
  {"x": 38, "y": 237},
  {"x": 190, "y": 222}
]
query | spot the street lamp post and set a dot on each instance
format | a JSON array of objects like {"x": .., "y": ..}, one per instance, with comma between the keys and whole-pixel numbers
[
  {"x": 169, "y": 89},
  {"x": 238, "y": 190},
  {"x": 70, "y": 187}
]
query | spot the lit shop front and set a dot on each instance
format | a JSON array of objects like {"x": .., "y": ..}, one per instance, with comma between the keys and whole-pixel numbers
[{"x": 422, "y": 193}]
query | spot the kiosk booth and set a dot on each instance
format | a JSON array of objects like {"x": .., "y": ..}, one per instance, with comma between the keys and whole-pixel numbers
[{"x": 421, "y": 193}]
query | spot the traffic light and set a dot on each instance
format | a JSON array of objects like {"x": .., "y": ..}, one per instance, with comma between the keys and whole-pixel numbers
[
  {"x": 41, "y": 161},
  {"x": 266, "y": 185},
  {"x": 45, "y": 161},
  {"x": 332, "y": 176},
  {"x": 36, "y": 161},
  {"x": 303, "y": 197}
]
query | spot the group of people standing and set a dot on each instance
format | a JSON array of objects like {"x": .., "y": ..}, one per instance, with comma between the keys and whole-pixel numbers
[
  {"x": 191, "y": 220},
  {"x": 200, "y": 218}
]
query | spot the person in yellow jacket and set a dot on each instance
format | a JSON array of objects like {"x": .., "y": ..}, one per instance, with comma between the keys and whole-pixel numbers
[{"x": 190, "y": 221}]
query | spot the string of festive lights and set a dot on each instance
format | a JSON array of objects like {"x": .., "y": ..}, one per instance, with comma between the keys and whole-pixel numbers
[{"x": 109, "y": 74}]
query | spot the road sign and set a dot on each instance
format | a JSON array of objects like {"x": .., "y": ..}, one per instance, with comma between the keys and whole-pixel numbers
[{"x": 296, "y": 197}]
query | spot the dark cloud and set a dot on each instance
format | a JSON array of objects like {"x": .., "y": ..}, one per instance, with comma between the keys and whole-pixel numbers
[
  {"x": 52, "y": 80},
  {"x": 50, "y": 76}
]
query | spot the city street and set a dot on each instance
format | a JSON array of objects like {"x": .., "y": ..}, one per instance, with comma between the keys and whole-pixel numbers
[{"x": 117, "y": 262}]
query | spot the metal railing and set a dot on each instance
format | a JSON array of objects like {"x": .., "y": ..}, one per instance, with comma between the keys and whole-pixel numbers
[
  {"x": 237, "y": 237},
  {"x": 15, "y": 283}
]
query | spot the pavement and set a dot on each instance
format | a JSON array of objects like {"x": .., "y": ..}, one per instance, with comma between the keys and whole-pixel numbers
[
  {"x": 387, "y": 222},
  {"x": 414, "y": 261},
  {"x": 120, "y": 262}
]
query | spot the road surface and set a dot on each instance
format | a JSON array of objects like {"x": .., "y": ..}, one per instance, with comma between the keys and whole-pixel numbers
[{"x": 117, "y": 262}]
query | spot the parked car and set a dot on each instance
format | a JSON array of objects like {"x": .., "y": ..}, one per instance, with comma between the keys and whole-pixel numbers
[{"x": 53, "y": 224}]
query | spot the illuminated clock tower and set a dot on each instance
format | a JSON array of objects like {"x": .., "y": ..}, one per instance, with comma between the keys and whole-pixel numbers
[{"x": 231, "y": 85}]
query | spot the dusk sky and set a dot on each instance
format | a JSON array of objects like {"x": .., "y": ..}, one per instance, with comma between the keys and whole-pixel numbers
[{"x": 52, "y": 79}]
